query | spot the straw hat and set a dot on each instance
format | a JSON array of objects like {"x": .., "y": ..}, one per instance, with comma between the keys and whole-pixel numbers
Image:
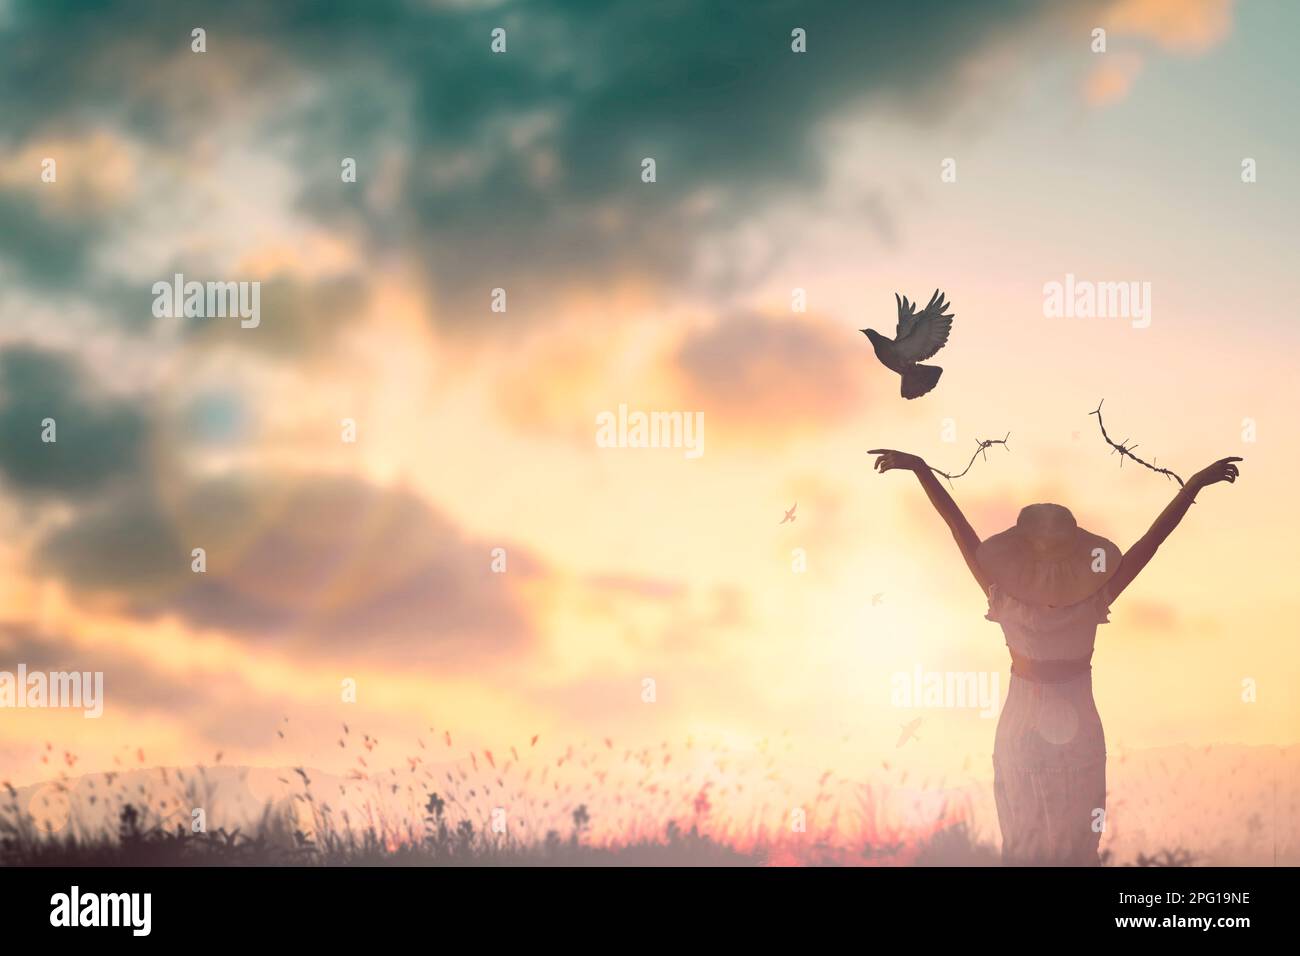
[{"x": 1047, "y": 559}]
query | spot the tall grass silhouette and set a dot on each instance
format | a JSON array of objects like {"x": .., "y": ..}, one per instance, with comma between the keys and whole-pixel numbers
[{"x": 588, "y": 805}]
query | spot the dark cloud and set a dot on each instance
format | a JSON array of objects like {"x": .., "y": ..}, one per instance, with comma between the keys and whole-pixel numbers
[
  {"x": 768, "y": 375},
  {"x": 553, "y": 133},
  {"x": 522, "y": 169},
  {"x": 47, "y": 251},
  {"x": 101, "y": 440},
  {"x": 328, "y": 564},
  {"x": 296, "y": 316}
]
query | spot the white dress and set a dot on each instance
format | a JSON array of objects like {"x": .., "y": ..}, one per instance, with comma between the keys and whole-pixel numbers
[{"x": 1049, "y": 757}]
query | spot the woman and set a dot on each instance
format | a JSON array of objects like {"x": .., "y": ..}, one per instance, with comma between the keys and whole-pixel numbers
[{"x": 1049, "y": 584}]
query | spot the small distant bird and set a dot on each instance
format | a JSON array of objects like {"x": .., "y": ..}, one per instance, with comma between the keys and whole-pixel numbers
[
  {"x": 909, "y": 732},
  {"x": 917, "y": 338},
  {"x": 789, "y": 515}
]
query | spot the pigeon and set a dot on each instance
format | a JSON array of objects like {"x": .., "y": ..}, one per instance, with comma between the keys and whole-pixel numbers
[
  {"x": 909, "y": 732},
  {"x": 790, "y": 515},
  {"x": 918, "y": 337}
]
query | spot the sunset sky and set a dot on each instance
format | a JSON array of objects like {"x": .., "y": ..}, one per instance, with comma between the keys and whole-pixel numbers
[{"x": 476, "y": 429}]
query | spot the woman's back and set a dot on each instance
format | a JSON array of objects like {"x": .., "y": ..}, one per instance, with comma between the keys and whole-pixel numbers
[{"x": 1049, "y": 719}]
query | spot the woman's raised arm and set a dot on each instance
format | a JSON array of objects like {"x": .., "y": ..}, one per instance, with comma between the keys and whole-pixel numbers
[
  {"x": 962, "y": 532},
  {"x": 1136, "y": 557}
]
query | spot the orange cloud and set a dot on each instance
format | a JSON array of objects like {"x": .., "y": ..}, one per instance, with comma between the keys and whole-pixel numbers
[
  {"x": 1186, "y": 27},
  {"x": 97, "y": 170},
  {"x": 1148, "y": 616},
  {"x": 1110, "y": 81},
  {"x": 763, "y": 375},
  {"x": 1179, "y": 26}
]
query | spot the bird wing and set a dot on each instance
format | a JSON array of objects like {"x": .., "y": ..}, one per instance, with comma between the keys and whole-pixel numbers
[{"x": 920, "y": 335}]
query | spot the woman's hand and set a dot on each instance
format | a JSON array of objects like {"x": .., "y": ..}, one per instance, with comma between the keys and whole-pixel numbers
[
  {"x": 1221, "y": 470},
  {"x": 890, "y": 459}
]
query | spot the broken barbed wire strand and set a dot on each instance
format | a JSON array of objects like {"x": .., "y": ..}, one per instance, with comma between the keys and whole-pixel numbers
[
  {"x": 1126, "y": 450},
  {"x": 983, "y": 444}
]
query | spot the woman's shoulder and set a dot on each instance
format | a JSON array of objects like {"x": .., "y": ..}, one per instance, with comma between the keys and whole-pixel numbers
[{"x": 1005, "y": 608}]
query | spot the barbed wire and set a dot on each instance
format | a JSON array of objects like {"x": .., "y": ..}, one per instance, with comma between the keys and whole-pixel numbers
[
  {"x": 981, "y": 450},
  {"x": 1126, "y": 450}
]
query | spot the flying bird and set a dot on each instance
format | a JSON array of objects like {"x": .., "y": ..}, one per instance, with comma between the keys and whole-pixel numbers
[
  {"x": 909, "y": 732},
  {"x": 918, "y": 337},
  {"x": 790, "y": 515}
]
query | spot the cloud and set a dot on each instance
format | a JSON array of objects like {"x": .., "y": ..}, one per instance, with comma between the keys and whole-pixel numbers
[
  {"x": 297, "y": 316},
  {"x": 1150, "y": 616},
  {"x": 100, "y": 439},
  {"x": 764, "y": 375},
  {"x": 647, "y": 589},
  {"x": 95, "y": 170},
  {"x": 1185, "y": 27},
  {"x": 1178, "y": 26},
  {"x": 520, "y": 169},
  {"x": 45, "y": 250},
  {"x": 133, "y": 682},
  {"x": 1110, "y": 81},
  {"x": 328, "y": 564}
]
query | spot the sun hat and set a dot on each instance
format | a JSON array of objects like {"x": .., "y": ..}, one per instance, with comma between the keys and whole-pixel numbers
[{"x": 1047, "y": 559}]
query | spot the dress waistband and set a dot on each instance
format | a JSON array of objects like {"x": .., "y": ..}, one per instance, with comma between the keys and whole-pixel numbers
[{"x": 1048, "y": 672}]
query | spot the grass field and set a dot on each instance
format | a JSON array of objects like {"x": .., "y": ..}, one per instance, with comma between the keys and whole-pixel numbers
[{"x": 150, "y": 816}]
